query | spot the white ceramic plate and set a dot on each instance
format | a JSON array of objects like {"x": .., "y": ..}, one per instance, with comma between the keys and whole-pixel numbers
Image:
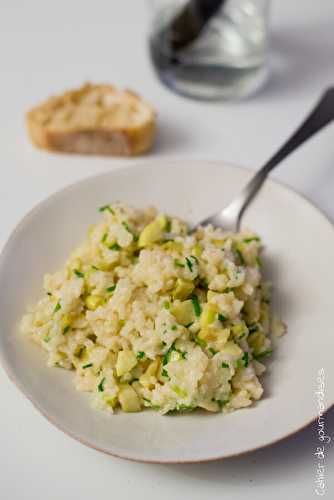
[{"x": 299, "y": 250}]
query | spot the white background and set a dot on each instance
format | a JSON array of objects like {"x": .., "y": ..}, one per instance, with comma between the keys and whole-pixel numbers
[{"x": 46, "y": 47}]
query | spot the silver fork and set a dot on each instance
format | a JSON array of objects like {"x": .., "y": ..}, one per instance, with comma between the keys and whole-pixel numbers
[{"x": 230, "y": 217}]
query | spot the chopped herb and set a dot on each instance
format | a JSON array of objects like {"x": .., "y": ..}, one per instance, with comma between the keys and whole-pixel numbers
[
  {"x": 163, "y": 343},
  {"x": 189, "y": 264},
  {"x": 213, "y": 351},
  {"x": 114, "y": 246},
  {"x": 164, "y": 373},
  {"x": 155, "y": 407},
  {"x": 183, "y": 354},
  {"x": 174, "y": 327},
  {"x": 47, "y": 339},
  {"x": 188, "y": 325},
  {"x": 225, "y": 365},
  {"x": 182, "y": 407},
  {"x": 168, "y": 226},
  {"x": 240, "y": 256},
  {"x": 100, "y": 387},
  {"x": 263, "y": 354},
  {"x": 126, "y": 226},
  {"x": 87, "y": 366},
  {"x": 221, "y": 402},
  {"x": 167, "y": 355},
  {"x": 222, "y": 318},
  {"x": 106, "y": 208},
  {"x": 253, "y": 328},
  {"x": 111, "y": 288},
  {"x": 94, "y": 268},
  {"x": 147, "y": 400},
  {"x": 244, "y": 361},
  {"x": 49, "y": 293},
  {"x": 242, "y": 336},
  {"x": 104, "y": 237},
  {"x": 200, "y": 342},
  {"x": 196, "y": 305},
  {"x": 178, "y": 263},
  {"x": 254, "y": 238},
  {"x": 79, "y": 274},
  {"x": 66, "y": 329},
  {"x": 134, "y": 380},
  {"x": 166, "y": 304},
  {"x": 57, "y": 307},
  {"x": 140, "y": 354}
]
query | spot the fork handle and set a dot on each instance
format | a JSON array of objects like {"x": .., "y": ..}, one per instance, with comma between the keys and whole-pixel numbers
[{"x": 320, "y": 116}]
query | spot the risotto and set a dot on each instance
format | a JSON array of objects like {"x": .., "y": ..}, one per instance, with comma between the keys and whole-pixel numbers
[{"x": 149, "y": 316}]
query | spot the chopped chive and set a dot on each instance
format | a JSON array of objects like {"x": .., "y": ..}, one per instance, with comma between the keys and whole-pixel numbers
[
  {"x": 244, "y": 361},
  {"x": 100, "y": 387},
  {"x": 189, "y": 264},
  {"x": 106, "y": 208},
  {"x": 140, "y": 354},
  {"x": 254, "y": 238},
  {"x": 182, "y": 407},
  {"x": 89, "y": 365},
  {"x": 47, "y": 339},
  {"x": 200, "y": 342},
  {"x": 225, "y": 365},
  {"x": 167, "y": 355},
  {"x": 174, "y": 327},
  {"x": 222, "y": 318},
  {"x": 94, "y": 268},
  {"x": 183, "y": 354},
  {"x": 213, "y": 351},
  {"x": 49, "y": 294},
  {"x": 166, "y": 304},
  {"x": 168, "y": 226},
  {"x": 115, "y": 246},
  {"x": 196, "y": 305},
  {"x": 104, "y": 237},
  {"x": 111, "y": 288},
  {"x": 57, "y": 307},
  {"x": 188, "y": 325},
  {"x": 240, "y": 256},
  {"x": 126, "y": 226},
  {"x": 253, "y": 328},
  {"x": 164, "y": 373},
  {"x": 178, "y": 263},
  {"x": 66, "y": 329},
  {"x": 163, "y": 343},
  {"x": 79, "y": 274},
  {"x": 263, "y": 354},
  {"x": 242, "y": 336},
  {"x": 221, "y": 402}
]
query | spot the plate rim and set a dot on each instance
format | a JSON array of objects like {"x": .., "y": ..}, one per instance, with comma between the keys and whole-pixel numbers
[{"x": 126, "y": 169}]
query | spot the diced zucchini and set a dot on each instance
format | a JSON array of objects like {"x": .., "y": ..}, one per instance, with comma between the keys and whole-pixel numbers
[
  {"x": 162, "y": 221},
  {"x": 257, "y": 342},
  {"x": 208, "y": 315},
  {"x": 126, "y": 360},
  {"x": 129, "y": 399},
  {"x": 232, "y": 349},
  {"x": 93, "y": 301},
  {"x": 183, "y": 312},
  {"x": 150, "y": 234},
  {"x": 183, "y": 289}
]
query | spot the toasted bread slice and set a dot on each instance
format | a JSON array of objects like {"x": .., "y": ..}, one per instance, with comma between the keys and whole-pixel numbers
[{"x": 95, "y": 119}]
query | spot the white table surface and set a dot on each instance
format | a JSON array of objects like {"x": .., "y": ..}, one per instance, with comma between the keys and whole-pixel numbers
[{"x": 46, "y": 47}]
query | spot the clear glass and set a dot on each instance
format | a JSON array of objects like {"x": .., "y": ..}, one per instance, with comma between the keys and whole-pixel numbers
[{"x": 227, "y": 61}]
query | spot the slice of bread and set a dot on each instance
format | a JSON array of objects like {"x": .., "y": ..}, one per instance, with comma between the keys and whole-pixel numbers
[{"x": 95, "y": 119}]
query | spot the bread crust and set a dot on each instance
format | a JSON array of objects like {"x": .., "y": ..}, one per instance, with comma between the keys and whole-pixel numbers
[{"x": 81, "y": 121}]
